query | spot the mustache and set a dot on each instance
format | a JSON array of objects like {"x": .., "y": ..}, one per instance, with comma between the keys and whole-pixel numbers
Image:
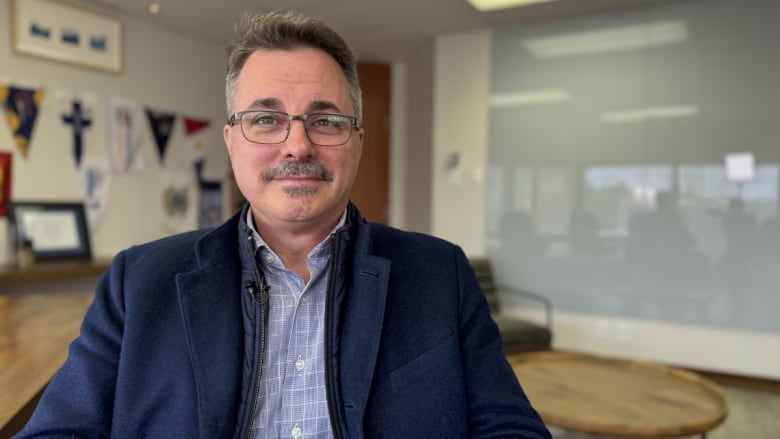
[{"x": 291, "y": 168}]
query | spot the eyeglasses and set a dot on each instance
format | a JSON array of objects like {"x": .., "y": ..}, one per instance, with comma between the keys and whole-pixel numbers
[{"x": 273, "y": 127}]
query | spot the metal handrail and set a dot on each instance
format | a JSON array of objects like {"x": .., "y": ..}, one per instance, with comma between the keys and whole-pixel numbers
[{"x": 544, "y": 300}]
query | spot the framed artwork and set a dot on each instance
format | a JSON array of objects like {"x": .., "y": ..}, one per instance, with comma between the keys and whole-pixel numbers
[
  {"x": 56, "y": 231},
  {"x": 57, "y": 31}
]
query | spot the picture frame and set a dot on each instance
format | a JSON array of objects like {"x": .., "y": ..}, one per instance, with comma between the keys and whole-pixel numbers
[
  {"x": 55, "y": 230},
  {"x": 53, "y": 30}
]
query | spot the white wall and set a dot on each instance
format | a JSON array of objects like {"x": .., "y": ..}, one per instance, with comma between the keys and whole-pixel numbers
[
  {"x": 463, "y": 207},
  {"x": 461, "y": 86},
  {"x": 163, "y": 70}
]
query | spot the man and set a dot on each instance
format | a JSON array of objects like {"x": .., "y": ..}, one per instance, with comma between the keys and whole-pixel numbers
[{"x": 295, "y": 318}]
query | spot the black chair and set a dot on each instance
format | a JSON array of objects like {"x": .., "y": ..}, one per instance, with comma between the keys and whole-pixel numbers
[{"x": 518, "y": 334}]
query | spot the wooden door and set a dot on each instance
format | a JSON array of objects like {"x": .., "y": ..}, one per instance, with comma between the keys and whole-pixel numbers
[{"x": 370, "y": 191}]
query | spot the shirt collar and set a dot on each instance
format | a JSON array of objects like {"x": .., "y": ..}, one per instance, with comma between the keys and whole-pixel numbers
[{"x": 259, "y": 243}]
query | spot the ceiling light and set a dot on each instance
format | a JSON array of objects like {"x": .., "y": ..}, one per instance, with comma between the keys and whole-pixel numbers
[
  {"x": 493, "y": 5},
  {"x": 643, "y": 114},
  {"x": 609, "y": 40},
  {"x": 528, "y": 97},
  {"x": 154, "y": 8}
]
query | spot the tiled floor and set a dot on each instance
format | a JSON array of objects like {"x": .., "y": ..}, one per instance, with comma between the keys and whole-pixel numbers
[{"x": 752, "y": 415}]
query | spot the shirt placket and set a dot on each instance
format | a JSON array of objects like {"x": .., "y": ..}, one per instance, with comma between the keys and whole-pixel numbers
[
  {"x": 305, "y": 352},
  {"x": 297, "y": 356},
  {"x": 296, "y": 362}
]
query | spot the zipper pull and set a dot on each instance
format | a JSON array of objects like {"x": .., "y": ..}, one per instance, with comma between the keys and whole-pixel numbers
[
  {"x": 251, "y": 288},
  {"x": 260, "y": 296}
]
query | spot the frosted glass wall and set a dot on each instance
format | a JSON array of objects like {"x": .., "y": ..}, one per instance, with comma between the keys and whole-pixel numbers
[{"x": 634, "y": 163}]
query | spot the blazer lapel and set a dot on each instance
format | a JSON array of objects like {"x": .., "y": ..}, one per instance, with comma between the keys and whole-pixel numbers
[
  {"x": 211, "y": 309},
  {"x": 362, "y": 330}
]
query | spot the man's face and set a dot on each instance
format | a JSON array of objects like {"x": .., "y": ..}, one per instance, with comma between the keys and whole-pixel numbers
[{"x": 299, "y": 81}]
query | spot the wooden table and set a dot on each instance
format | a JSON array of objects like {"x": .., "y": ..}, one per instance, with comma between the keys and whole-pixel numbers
[
  {"x": 35, "y": 331},
  {"x": 611, "y": 397},
  {"x": 50, "y": 272}
]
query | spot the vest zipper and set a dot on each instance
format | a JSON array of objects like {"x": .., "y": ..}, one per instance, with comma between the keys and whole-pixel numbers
[
  {"x": 329, "y": 303},
  {"x": 261, "y": 299}
]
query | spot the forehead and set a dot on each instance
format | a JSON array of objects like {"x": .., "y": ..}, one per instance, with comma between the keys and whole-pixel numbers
[{"x": 292, "y": 78}]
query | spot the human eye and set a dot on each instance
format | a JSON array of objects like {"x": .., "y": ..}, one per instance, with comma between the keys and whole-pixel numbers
[
  {"x": 264, "y": 119},
  {"x": 328, "y": 122}
]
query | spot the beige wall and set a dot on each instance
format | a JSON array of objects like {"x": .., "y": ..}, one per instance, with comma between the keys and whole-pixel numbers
[
  {"x": 461, "y": 81},
  {"x": 161, "y": 69},
  {"x": 418, "y": 119}
]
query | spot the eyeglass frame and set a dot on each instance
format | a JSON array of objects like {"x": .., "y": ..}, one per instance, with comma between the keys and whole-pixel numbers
[{"x": 237, "y": 116}]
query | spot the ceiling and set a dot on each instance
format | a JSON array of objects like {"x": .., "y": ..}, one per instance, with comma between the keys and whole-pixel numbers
[{"x": 378, "y": 30}]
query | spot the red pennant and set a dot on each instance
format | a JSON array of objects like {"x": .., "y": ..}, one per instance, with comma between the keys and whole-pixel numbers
[
  {"x": 5, "y": 182},
  {"x": 192, "y": 125}
]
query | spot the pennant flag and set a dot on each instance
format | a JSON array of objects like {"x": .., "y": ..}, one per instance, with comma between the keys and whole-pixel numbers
[
  {"x": 209, "y": 198},
  {"x": 179, "y": 201},
  {"x": 175, "y": 201},
  {"x": 125, "y": 140},
  {"x": 79, "y": 121},
  {"x": 94, "y": 183},
  {"x": 209, "y": 192},
  {"x": 162, "y": 127},
  {"x": 21, "y": 110},
  {"x": 199, "y": 169},
  {"x": 5, "y": 182},
  {"x": 210, "y": 204},
  {"x": 193, "y": 127}
]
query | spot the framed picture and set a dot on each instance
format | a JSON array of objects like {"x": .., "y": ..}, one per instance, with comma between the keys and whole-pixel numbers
[
  {"x": 55, "y": 231},
  {"x": 57, "y": 31}
]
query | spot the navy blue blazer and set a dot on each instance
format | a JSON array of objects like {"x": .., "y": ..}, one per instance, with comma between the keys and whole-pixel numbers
[{"x": 162, "y": 347}]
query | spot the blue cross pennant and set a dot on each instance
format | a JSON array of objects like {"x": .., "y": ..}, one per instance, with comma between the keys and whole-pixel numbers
[{"x": 78, "y": 121}]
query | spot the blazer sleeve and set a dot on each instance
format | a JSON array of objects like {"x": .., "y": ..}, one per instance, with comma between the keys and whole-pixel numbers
[
  {"x": 498, "y": 407},
  {"x": 78, "y": 401}
]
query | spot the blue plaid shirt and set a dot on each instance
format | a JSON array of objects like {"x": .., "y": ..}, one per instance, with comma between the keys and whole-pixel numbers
[{"x": 292, "y": 400}]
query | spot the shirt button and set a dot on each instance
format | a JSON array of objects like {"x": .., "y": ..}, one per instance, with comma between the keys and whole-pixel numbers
[
  {"x": 268, "y": 256},
  {"x": 304, "y": 300},
  {"x": 296, "y": 432},
  {"x": 300, "y": 364}
]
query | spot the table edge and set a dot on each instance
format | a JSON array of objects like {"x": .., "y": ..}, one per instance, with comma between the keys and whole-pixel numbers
[{"x": 612, "y": 430}]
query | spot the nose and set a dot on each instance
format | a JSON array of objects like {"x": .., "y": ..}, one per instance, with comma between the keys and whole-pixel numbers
[{"x": 297, "y": 146}]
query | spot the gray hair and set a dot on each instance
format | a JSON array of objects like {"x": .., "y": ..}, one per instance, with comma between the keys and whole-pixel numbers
[{"x": 287, "y": 31}]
